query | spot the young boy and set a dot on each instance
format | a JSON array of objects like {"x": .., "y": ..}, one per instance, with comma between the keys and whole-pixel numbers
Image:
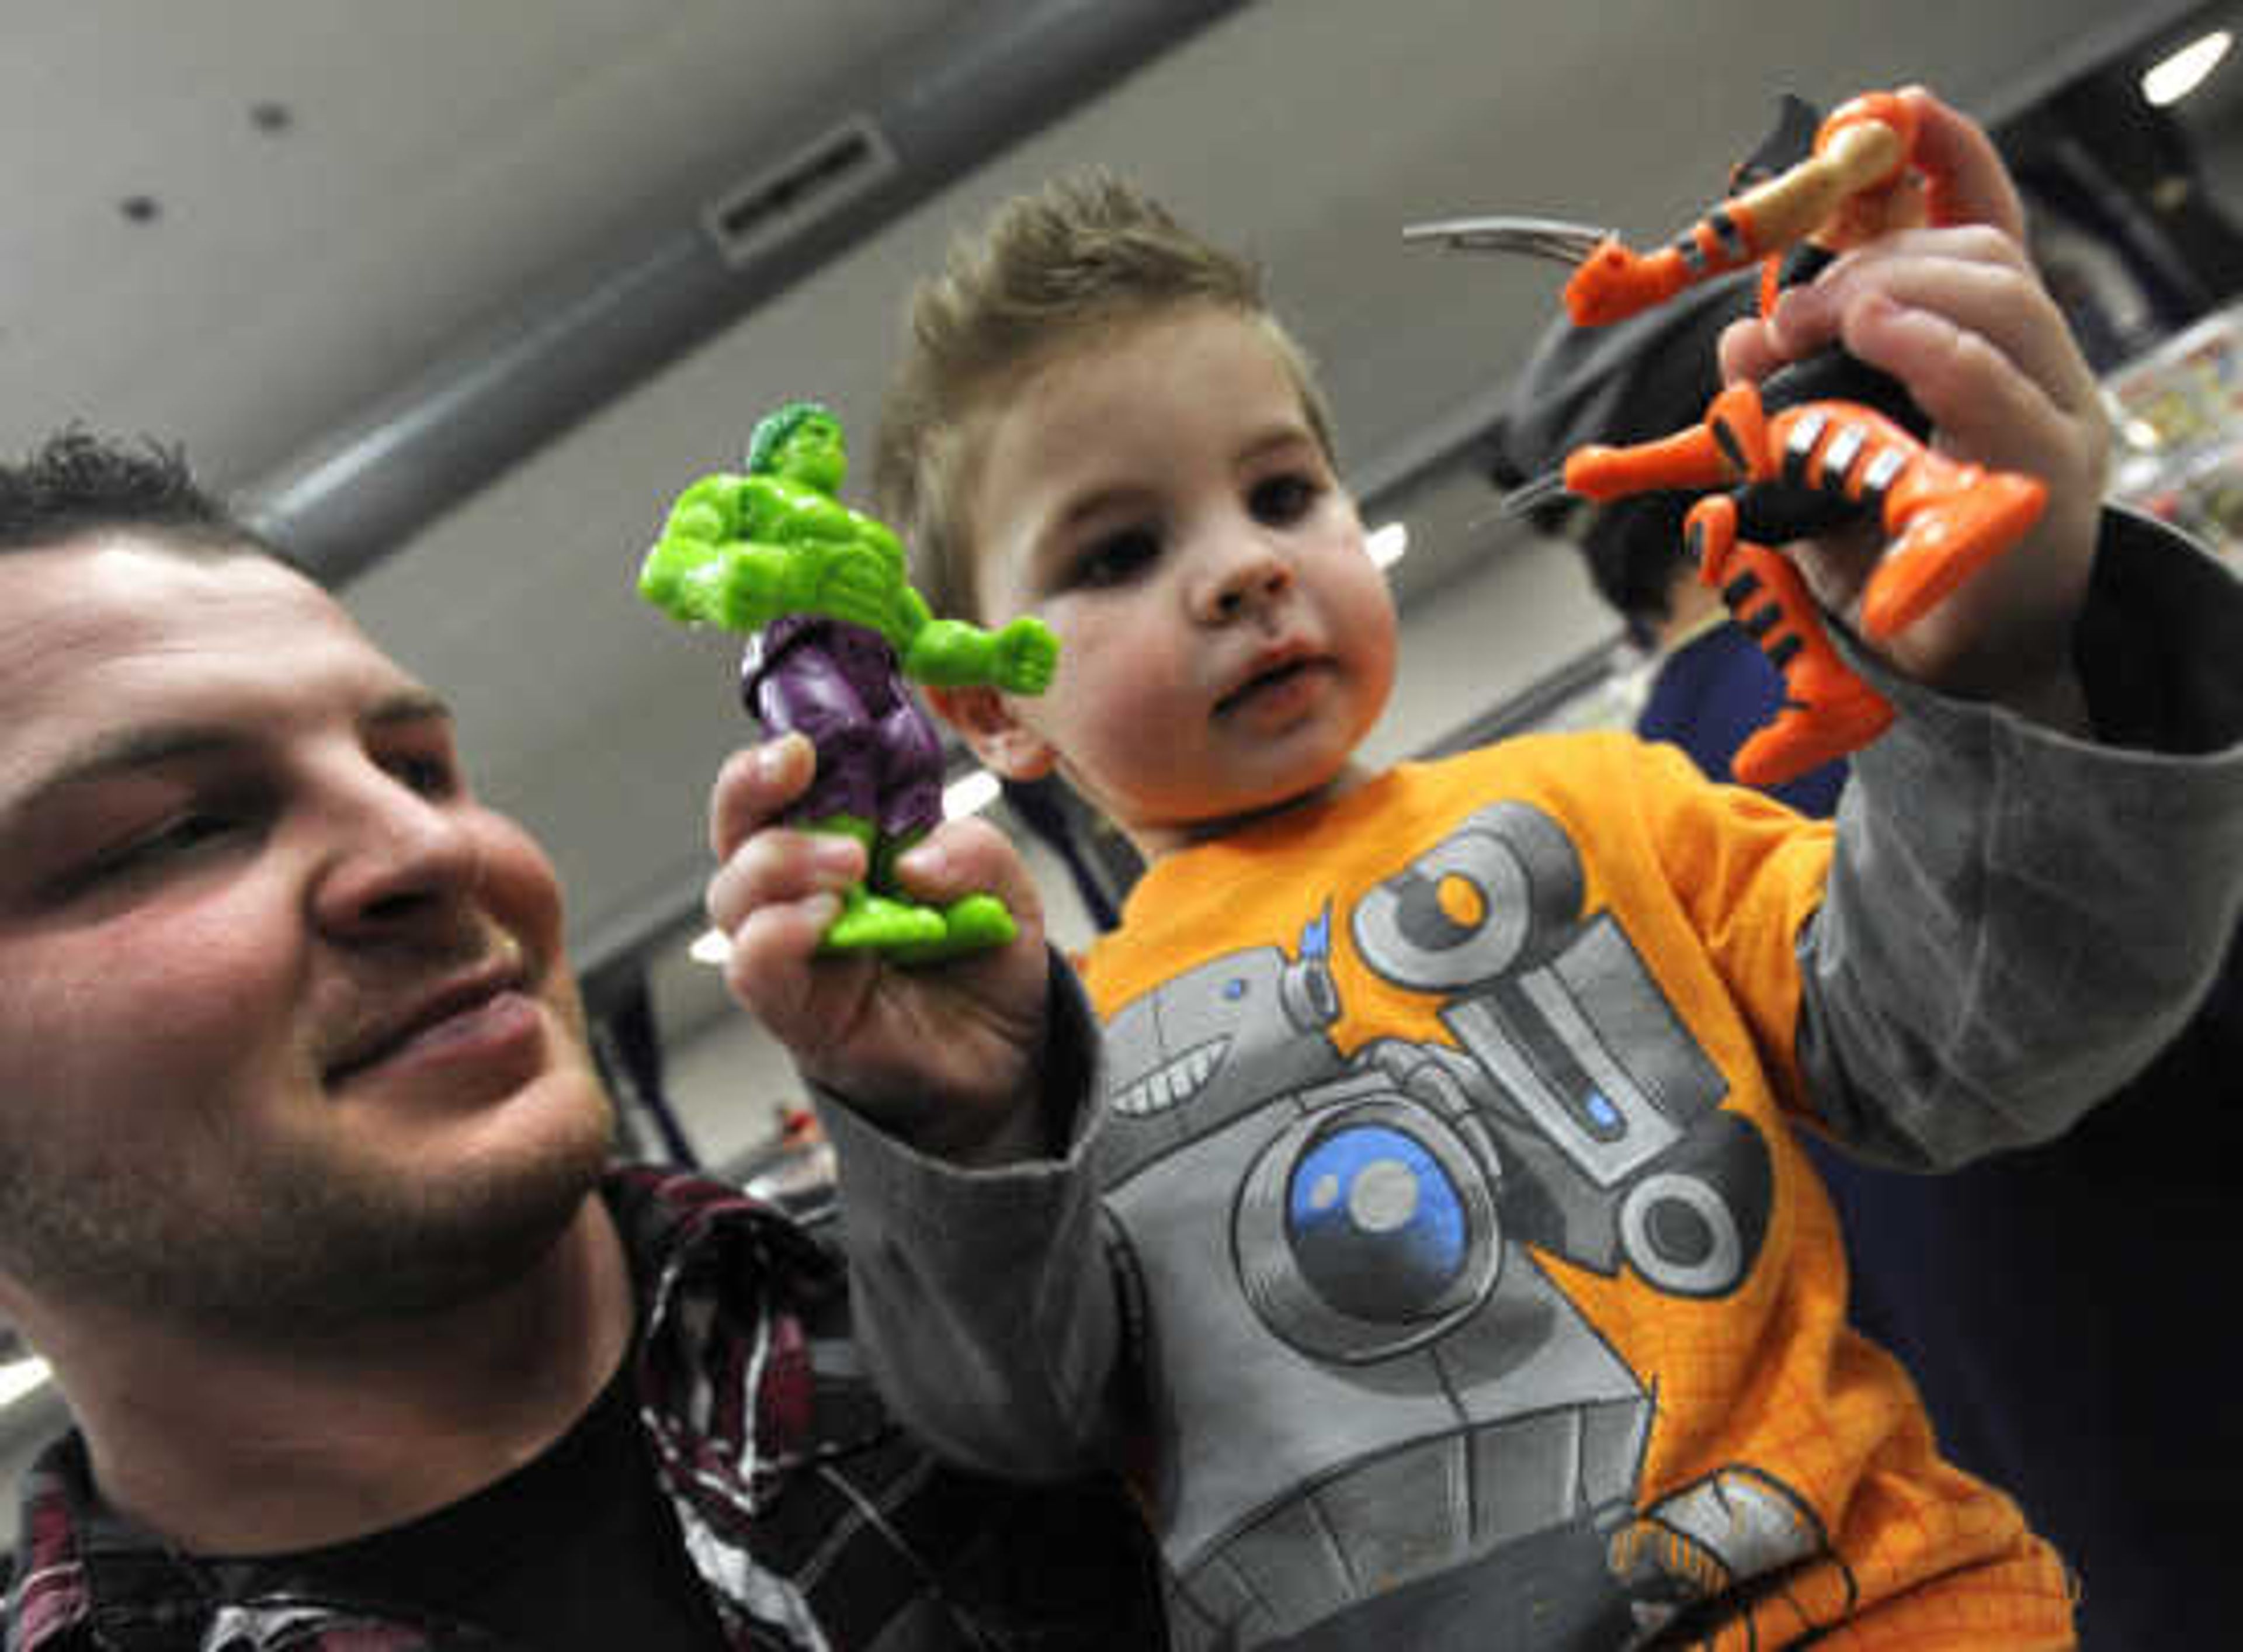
[{"x": 1425, "y": 1233}]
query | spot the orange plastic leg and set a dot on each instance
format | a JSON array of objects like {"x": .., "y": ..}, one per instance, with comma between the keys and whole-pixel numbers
[
  {"x": 1948, "y": 521},
  {"x": 1614, "y": 283},
  {"x": 1829, "y": 711}
]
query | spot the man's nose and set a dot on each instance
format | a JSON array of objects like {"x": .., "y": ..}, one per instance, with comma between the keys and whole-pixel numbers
[{"x": 399, "y": 863}]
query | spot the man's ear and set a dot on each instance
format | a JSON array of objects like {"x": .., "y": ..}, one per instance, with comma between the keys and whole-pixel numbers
[{"x": 985, "y": 721}]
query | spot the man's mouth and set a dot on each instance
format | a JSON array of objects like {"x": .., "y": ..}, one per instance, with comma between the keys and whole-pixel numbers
[{"x": 485, "y": 1001}]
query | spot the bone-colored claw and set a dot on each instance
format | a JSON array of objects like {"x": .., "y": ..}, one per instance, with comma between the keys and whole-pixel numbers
[{"x": 1550, "y": 238}]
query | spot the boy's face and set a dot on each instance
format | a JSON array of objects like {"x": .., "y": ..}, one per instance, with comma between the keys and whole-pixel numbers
[{"x": 1159, "y": 498}]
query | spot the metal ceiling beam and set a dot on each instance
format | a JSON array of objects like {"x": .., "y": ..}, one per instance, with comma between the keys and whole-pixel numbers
[{"x": 998, "y": 74}]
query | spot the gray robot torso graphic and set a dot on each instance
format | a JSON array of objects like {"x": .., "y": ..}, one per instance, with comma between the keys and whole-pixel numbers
[{"x": 1379, "y": 1402}]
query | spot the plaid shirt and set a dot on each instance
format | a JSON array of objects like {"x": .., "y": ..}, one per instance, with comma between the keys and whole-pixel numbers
[{"x": 813, "y": 1522}]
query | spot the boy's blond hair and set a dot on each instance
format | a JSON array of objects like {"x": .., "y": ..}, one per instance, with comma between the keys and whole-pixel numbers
[{"x": 1054, "y": 269}]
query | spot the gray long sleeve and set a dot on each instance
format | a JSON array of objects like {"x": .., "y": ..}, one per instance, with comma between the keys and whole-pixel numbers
[
  {"x": 985, "y": 1301},
  {"x": 2016, "y": 922}
]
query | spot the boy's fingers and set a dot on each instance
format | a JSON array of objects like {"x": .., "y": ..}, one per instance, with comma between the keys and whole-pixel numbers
[
  {"x": 777, "y": 865},
  {"x": 770, "y": 969},
  {"x": 961, "y": 857},
  {"x": 1748, "y": 350},
  {"x": 1970, "y": 390},
  {"x": 1975, "y": 282},
  {"x": 754, "y": 785},
  {"x": 1978, "y": 188}
]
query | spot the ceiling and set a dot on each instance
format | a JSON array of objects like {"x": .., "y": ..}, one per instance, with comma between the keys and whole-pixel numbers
[{"x": 318, "y": 242}]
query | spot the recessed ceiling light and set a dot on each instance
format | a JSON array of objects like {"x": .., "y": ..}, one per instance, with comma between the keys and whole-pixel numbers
[
  {"x": 2173, "y": 76},
  {"x": 1387, "y": 542}
]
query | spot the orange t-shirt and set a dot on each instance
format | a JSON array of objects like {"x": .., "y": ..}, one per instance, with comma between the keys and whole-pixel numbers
[{"x": 1447, "y": 1140}]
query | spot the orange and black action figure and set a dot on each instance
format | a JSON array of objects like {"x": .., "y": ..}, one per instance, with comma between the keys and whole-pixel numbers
[{"x": 1823, "y": 442}]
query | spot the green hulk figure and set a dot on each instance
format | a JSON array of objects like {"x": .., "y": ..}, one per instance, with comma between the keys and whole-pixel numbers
[{"x": 833, "y": 629}]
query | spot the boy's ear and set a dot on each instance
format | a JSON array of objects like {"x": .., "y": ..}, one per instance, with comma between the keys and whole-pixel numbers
[{"x": 985, "y": 721}]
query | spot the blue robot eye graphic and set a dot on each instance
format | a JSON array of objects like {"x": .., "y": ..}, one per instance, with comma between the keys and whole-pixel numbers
[
  {"x": 1377, "y": 1225},
  {"x": 1368, "y": 1230}
]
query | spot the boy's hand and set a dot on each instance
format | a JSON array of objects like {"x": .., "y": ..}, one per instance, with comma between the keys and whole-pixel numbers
[
  {"x": 947, "y": 1057},
  {"x": 1958, "y": 316}
]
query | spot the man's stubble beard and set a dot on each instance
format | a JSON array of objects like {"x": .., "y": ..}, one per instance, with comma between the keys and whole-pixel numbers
[{"x": 317, "y": 1248}]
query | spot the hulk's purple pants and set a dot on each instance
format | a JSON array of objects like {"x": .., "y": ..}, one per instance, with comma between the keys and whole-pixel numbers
[{"x": 879, "y": 757}]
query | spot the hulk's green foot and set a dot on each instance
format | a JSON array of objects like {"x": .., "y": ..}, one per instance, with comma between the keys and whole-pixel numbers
[
  {"x": 875, "y": 923},
  {"x": 976, "y": 924}
]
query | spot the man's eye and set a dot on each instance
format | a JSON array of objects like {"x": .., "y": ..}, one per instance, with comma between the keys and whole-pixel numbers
[
  {"x": 432, "y": 777},
  {"x": 173, "y": 841},
  {"x": 1116, "y": 559},
  {"x": 1280, "y": 500}
]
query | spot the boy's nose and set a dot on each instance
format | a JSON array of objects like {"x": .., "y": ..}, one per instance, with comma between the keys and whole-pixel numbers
[{"x": 1250, "y": 575}]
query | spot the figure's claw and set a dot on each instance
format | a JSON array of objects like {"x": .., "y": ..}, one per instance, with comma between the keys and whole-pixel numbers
[{"x": 1551, "y": 238}]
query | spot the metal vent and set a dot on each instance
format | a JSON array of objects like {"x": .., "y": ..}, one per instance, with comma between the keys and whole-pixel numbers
[
  {"x": 984, "y": 81},
  {"x": 808, "y": 185}
]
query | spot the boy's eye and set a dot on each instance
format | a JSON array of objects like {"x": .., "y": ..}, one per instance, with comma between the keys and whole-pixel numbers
[
  {"x": 1280, "y": 500},
  {"x": 1117, "y": 559}
]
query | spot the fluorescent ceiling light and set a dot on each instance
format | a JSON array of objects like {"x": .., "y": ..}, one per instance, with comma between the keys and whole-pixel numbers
[
  {"x": 2172, "y": 77},
  {"x": 1387, "y": 542}
]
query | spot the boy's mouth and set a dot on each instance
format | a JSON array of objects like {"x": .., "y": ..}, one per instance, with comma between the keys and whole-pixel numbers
[{"x": 1267, "y": 679}]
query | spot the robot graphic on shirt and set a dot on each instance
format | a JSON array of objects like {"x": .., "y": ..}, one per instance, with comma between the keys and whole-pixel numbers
[{"x": 1345, "y": 1245}]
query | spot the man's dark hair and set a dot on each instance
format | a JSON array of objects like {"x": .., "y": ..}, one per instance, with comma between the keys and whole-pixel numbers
[{"x": 75, "y": 482}]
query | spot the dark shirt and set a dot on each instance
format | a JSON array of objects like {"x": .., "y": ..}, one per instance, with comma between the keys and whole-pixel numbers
[
  {"x": 576, "y": 1550},
  {"x": 750, "y": 1432}
]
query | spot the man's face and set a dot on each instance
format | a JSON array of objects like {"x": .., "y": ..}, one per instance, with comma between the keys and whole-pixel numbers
[{"x": 287, "y": 1038}]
